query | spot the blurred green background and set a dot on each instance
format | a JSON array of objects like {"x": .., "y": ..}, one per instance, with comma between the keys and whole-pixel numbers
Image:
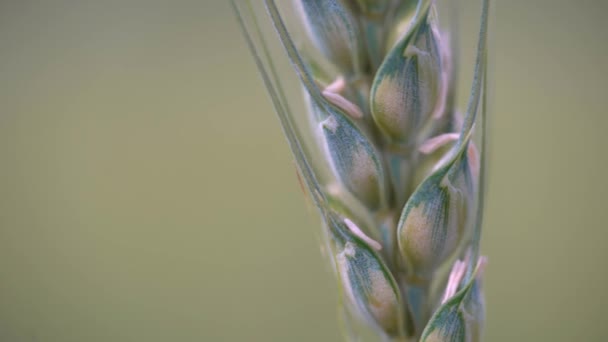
[{"x": 147, "y": 194}]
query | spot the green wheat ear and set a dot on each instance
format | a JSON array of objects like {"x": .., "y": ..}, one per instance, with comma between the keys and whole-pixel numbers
[{"x": 404, "y": 202}]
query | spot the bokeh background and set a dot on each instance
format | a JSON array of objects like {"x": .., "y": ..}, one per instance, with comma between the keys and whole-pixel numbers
[{"x": 147, "y": 194}]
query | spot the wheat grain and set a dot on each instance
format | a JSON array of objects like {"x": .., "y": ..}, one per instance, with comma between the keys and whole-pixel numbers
[{"x": 397, "y": 146}]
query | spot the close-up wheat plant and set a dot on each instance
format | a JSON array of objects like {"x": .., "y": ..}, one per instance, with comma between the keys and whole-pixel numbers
[
  {"x": 401, "y": 206},
  {"x": 303, "y": 170}
]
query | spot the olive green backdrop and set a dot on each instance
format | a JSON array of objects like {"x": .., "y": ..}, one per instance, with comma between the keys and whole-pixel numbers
[{"x": 147, "y": 194}]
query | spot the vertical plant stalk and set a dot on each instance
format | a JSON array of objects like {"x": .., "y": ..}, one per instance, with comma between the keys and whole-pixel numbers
[{"x": 403, "y": 208}]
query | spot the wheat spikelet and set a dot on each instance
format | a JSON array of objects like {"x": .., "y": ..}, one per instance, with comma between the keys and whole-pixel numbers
[{"x": 405, "y": 201}]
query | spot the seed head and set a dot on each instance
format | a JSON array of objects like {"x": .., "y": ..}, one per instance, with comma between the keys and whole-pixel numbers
[
  {"x": 369, "y": 287},
  {"x": 335, "y": 31},
  {"x": 460, "y": 318},
  {"x": 435, "y": 218},
  {"x": 406, "y": 88},
  {"x": 355, "y": 160}
]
